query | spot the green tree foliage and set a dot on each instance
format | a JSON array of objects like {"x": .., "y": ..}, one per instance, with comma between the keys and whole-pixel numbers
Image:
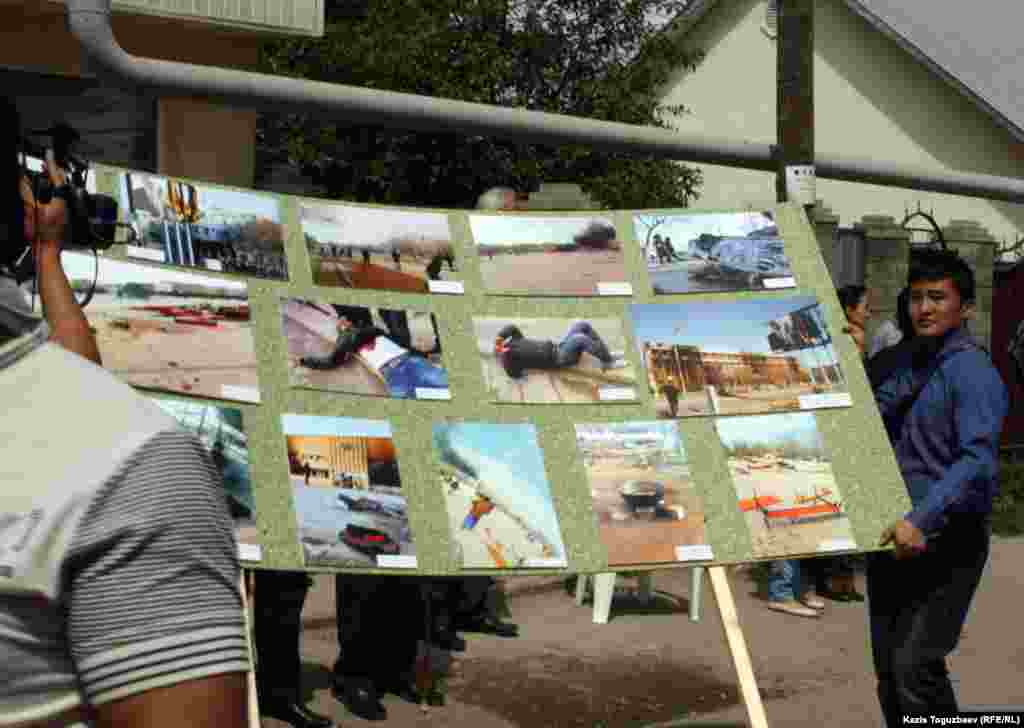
[{"x": 599, "y": 59}]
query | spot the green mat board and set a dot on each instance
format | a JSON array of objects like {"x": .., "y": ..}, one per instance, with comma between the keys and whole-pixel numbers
[{"x": 862, "y": 464}]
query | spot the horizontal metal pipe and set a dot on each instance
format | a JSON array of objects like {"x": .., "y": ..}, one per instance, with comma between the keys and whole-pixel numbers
[{"x": 89, "y": 22}]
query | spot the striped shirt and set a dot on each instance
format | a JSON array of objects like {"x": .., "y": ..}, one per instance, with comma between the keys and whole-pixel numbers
[{"x": 118, "y": 563}]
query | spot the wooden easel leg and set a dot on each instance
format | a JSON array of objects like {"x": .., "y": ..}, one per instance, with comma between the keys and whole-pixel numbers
[
  {"x": 604, "y": 589},
  {"x": 254, "y": 707},
  {"x": 581, "y": 589},
  {"x": 737, "y": 647}
]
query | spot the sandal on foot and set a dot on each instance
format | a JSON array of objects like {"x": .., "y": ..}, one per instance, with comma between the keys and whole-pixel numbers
[{"x": 795, "y": 608}]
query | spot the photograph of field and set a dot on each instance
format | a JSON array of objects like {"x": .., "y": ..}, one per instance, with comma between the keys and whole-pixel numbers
[
  {"x": 550, "y": 256},
  {"x": 169, "y": 330},
  {"x": 784, "y": 484},
  {"x": 644, "y": 499},
  {"x": 378, "y": 352},
  {"x": 738, "y": 357},
  {"x": 500, "y": 510},
  {"x": 365, "y": 247},
  {"x": 221, "y": 431},
  {"x": 202, "y": 226},
  {"x": 700, "y": 253},
  {"x": 554, "y": 360},
  {"x": 347, "y": 492}
]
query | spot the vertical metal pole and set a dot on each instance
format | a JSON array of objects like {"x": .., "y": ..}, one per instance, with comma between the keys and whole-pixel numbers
[{"x": 795, "y": 94}]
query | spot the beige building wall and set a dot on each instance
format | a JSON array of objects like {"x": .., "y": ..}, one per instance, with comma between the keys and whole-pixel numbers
[
  {"x": 872, "y": 100},
  {"x": 195, "y": 139}
]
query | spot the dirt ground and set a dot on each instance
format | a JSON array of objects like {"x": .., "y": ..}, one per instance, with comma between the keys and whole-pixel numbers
[
  {"x": 566, "y": 273},
  {"x": 158, "y": 353},
  {"x": 650, "y": 665}
]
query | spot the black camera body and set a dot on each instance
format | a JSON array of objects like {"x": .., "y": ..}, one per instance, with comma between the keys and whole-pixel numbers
[{"x": 92, "y": 218}]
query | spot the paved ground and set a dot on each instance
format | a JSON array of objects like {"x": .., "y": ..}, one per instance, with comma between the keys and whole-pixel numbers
[{"x": 650, "y": 665}]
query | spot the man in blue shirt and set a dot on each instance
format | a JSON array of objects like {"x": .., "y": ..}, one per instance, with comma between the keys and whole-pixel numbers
[{"x": 943, "y": 404}]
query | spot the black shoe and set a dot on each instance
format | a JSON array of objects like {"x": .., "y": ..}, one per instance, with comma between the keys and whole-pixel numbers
[
  {"x": 447, "y": 640},
  {"x": 360, "y": 697},
  {"x": 296, "y": 715},
  {"x": 489, "y": 625}
]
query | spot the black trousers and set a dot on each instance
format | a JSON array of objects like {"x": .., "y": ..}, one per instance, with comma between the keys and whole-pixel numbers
[
  {"x": 277, "y": 622},
  {"x": 917, "y": 609},
  {"x": 380, "y": 621}
]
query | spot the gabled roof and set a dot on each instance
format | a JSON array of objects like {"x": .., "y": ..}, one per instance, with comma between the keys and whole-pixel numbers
[{"x": 976, "y": 46}]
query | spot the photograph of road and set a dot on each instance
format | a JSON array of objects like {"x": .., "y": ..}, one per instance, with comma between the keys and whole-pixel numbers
[
  {"x": 699, "y": 253},
  {"x": 738, "y": 357},
  {"x": 169, "y": 330},
  {"x": 366, "y": 247},
  {"x": 554, "y": 360},
  {"x": 550, "y": 256},
  {"x": 500, "y": 510},
  {"x": 347, "y": 492},
  {"x": 784, "y": 484},
  {"x": 202, "y": 226},
  {"x": 644, "y": 499},
  {"x": 221, "y": 431},
  {"x": 379, "y": 352}
]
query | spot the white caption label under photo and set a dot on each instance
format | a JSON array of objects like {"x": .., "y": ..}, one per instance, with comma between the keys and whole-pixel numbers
[
  {"x": 824, "y": 401},
  {"x": 240, "y": 393},
  {"x": 397, "y": 561},
  {"x": 784, "y": 282},
  {"x": 433, "y": 393},
  {"x": 135, "y": 251},
  {"x": 837, "y": 544},
  {"x": 454, "y": 287},
  {"x": 698, "y": 552},
  {"x": 618, "y": 288},
  {"x": 616, "y": 394},
  {"x": 250, "y": 552}
]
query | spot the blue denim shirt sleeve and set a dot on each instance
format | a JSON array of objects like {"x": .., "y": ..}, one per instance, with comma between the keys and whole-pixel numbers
[{"x": 978, "y": 406}]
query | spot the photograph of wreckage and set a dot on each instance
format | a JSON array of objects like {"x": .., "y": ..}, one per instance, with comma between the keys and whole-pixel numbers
[{"x": 785, "y": 487}]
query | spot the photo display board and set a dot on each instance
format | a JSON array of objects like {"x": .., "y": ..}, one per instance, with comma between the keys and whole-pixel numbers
[{"x": 424, "y": 391}]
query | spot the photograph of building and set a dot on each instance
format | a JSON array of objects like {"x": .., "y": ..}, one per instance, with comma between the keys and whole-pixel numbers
[
  {"x": 647, "y": 508},
  {"x": 710, "y": 358},
  {"x": 347, "y": 492},
  {"x": 784, "y": 484},
  {"x": 369, "y": 247},
  {"x": 500, "y": 510},
  {"x": 202, "y": 226},
  {"x": 169, "y": 330},
  {"x": 550, "y": 256},
  {"x": 703, "y": 252}
]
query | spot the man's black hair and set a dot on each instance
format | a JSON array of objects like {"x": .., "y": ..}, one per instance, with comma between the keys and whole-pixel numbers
[
  {"x": 937, "y": 265},
  {"x": 903, "y": 321},
  {"x": 12, "y": 208},
  {"x": 511, "y": 331},
  {"x": 851, "y": 296}
]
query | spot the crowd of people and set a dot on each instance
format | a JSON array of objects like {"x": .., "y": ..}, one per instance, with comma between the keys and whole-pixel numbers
[{"x": 120, "y": 598}]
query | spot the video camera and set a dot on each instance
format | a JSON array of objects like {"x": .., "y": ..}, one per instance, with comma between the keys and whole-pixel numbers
[{"x": 92, "y": 217}]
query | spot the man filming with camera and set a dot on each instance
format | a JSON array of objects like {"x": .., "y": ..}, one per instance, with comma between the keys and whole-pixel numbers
[{"x": 119, "y": 599}]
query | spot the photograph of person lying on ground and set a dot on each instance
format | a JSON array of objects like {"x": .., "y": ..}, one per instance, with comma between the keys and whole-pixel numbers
[
  {"x": 552, "y": 256},
  {"x": 351, "y": 246},
  {"x": 381, "y": 352},
  {"x": 562, "y": 361}
]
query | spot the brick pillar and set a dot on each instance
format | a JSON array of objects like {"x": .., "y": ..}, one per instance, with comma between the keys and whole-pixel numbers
[
  {"x": 826, "y": 223},
  {"x": 886, "y": 261},
  {"x": 976, "y": 246}
]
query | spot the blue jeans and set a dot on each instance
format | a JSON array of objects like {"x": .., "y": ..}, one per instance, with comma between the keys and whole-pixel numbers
[
  {"x": 411, "y": 372},
  {"x": 784, "y": 582},
  {"x": 580, "y": 338}
]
